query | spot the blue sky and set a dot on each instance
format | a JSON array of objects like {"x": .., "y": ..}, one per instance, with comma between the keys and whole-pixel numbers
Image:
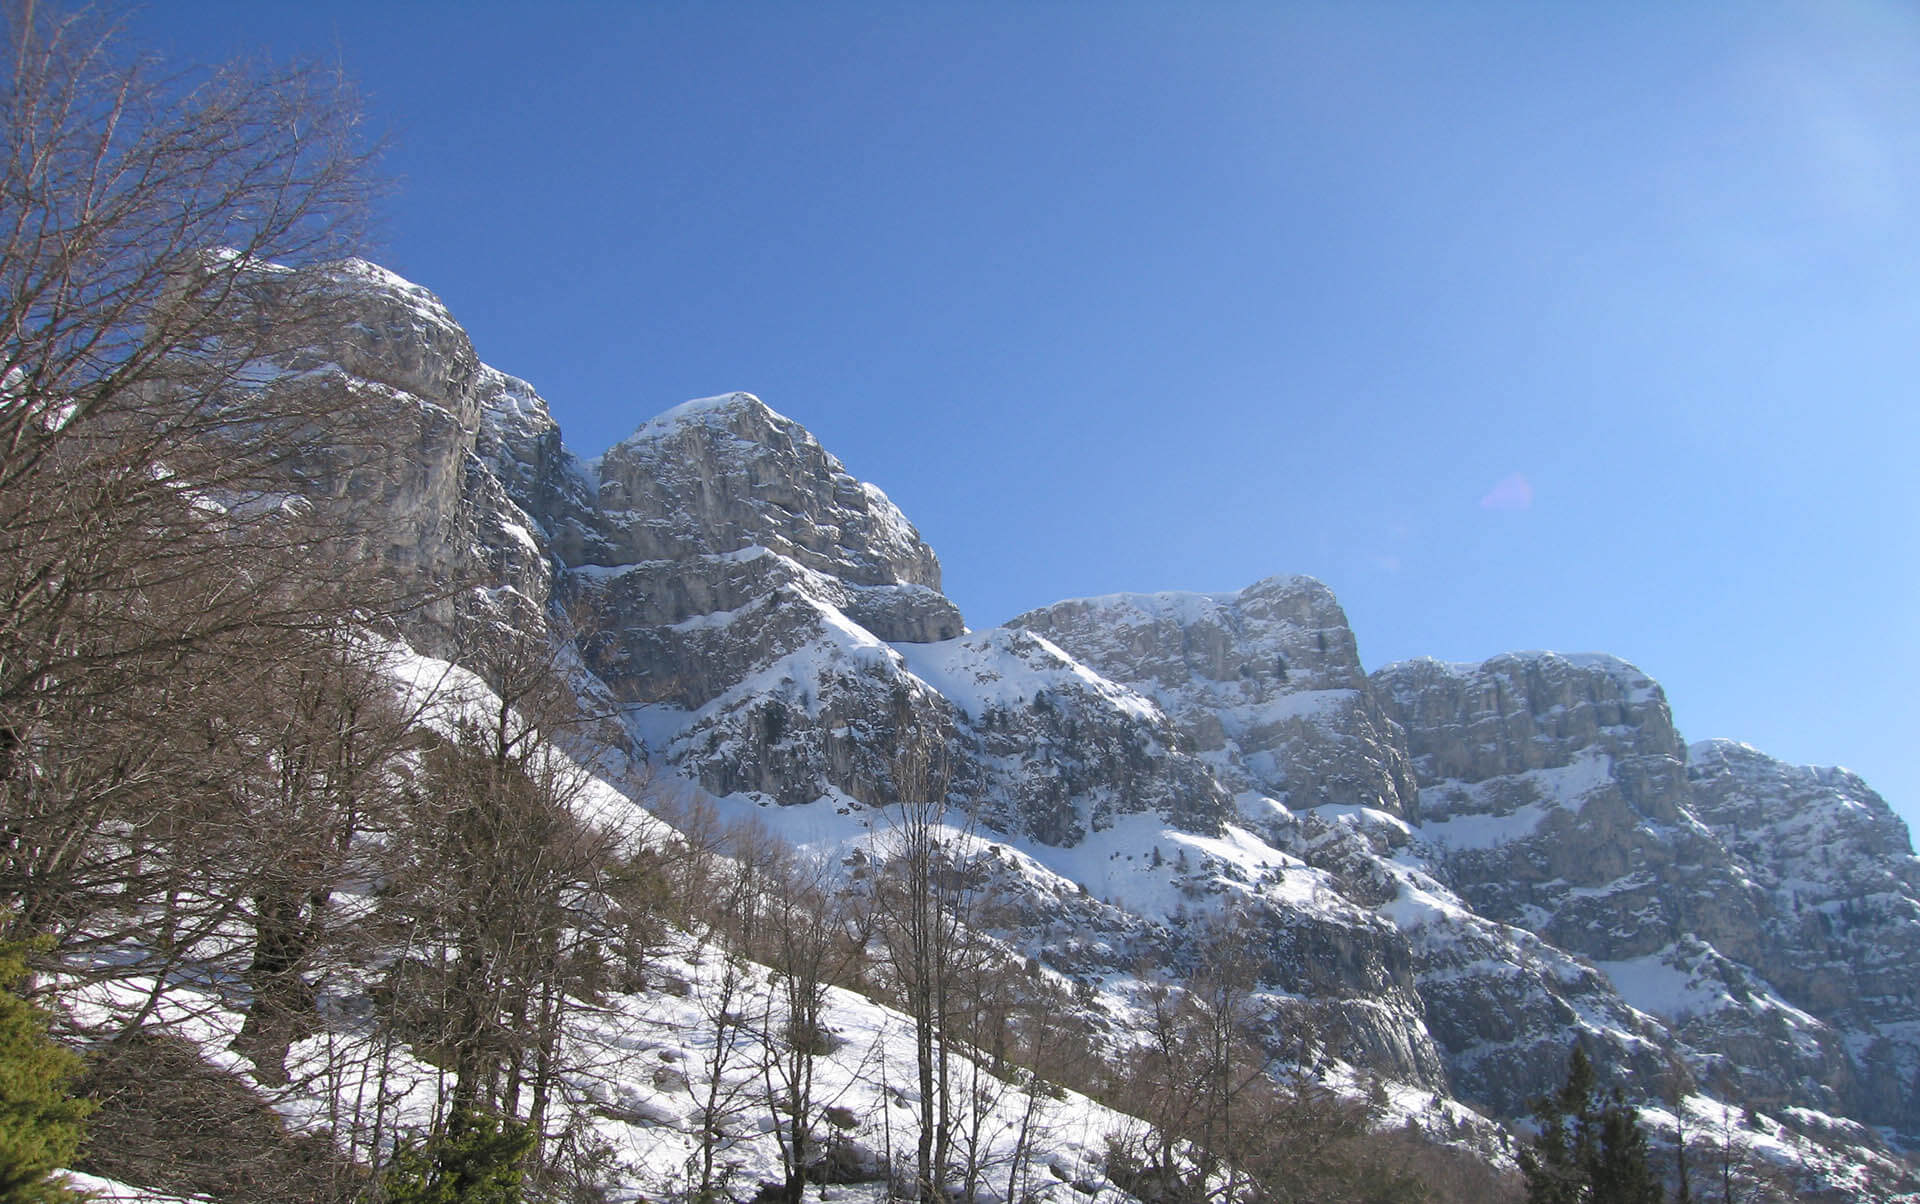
[{"x": 1587, "y": 327}]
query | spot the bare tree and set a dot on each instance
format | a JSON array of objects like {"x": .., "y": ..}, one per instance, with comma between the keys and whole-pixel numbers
[
  {"x": 1676, "y": 1085},
  {"x": 918, "y": 897},
  {"x": 330, "y": 737},
  {"x": 154, "y": 554},
  {"x": 147, "y": 214},
  {"x": 498, "y": 884},
  {"x": 813, "y": 941},
  {"x": 721, "y": 1074}
]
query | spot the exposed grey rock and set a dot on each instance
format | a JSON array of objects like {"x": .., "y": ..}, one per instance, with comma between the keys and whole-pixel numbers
[
  {"x": 1054, "y": 751},
  {"x": 1266, "y": 683},
  {"x": 659, "y": 632},
  {"x": 519, "y": 446},
  {"x": 1578, "y": 757},
  {"x": 1557, "y": 797},
  {"x": 1829, "y": 916},
  {"x": 428, "y": 505},
  {"x": 726, "y": 474},
  {"x": 777, "y": 625},
  {"x": 1504, "y": 1006},
  {"x": 1524, "y": 711}
]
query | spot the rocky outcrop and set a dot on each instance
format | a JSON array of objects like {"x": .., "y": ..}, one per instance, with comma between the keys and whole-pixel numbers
[
  {"x": 518, "y": 447},
  {"x": 1503, "y": 1005},
  {"x": 1827, "y": 914},
  {"x": 1055, "y": 751},
  {"x": 1524, "y": 711},
  {"x": 430, "y": 482},
  {"x": 726, "y": 474},
  {"x": 1557, "y": 797},
  {"x": 659, "y": 631},
  {"x": 1554, "y": 789},
  {"x": 1266, "y": 685},
  {"x": 776, "y": 631}
]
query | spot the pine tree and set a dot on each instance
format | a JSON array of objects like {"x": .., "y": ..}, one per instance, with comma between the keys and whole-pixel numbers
[
  {"x": 1590, "y": 1149},
  {"x": 40, "y": 1125},
  {"x": 1619, "y": 1172},
  {"x": 476, "y": 1160}
]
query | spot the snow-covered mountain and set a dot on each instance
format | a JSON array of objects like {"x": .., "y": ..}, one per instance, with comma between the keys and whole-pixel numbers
[{"x": 1452, "y": 870}]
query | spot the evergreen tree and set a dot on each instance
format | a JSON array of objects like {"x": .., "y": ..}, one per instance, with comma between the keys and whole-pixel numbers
[
  {"x": 476, "y": 1160},
  {"x": 1619, "y": 1172},
  {"x": 1590, "y": 1149},
  {"x": 40, "y": 1125}
]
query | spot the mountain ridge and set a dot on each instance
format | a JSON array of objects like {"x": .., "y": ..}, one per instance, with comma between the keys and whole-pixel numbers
[{"x": 1453, "y": 867}]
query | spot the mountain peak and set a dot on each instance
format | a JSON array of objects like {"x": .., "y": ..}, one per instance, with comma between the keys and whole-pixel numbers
[
  {"x": 737, "y": 411},
  {"x": 723, "y": 473}
]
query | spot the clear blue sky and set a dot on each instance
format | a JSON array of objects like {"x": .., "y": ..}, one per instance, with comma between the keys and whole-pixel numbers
[{"x": 1575, "y": 326}]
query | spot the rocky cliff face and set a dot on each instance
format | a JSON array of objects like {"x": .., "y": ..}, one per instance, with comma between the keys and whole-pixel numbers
[
  {"x": 777, "y": 632},
  {"x": 1266, "y": 684},
  {"x": 1557, "y": 797},
  {"x": 1820, "y": 901},
  {"x": 1451, "y": 870},
  {"x": 1573, "y": 766},
  {"x": 447, "y": 454}
]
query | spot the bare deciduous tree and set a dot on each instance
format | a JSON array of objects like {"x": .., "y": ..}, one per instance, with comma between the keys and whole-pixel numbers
[
  {"x": 498, "y": 884},
  {"x": 147, "y": 218},
  {"x": 812, "y": 943},
  {"x": 153, "y": 553},
  {"x": 926, "y": 896}
]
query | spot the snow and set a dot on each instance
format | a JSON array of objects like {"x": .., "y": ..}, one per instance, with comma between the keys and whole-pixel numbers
[
  {"x": 1423, "y": 903},
  {"x": 512, "y": 398},
  {"x": 1007, "y": 667},
  {"x": 1188, "y": 608},
  {"x": 891, "y": 528},
  {"x": 112, "y": 1191},
  {"x": 641, "y": 1064},
  {"x": 710, "y": 411},
  {"x": 519, "y": 535},
  {"x": 821, "y": 584},
  {"x": 1464, "y": 832},
  {"x": 424, "y": 304},
  {"x": 1660, "y": 985},
  {"x": 638, "y": 1037},
  {"x": 1468, "y": 815},
  {"x": 656, "y": 725},
  {"x": 641, "y": 1061},
  {"x": 441, "y": 694}
]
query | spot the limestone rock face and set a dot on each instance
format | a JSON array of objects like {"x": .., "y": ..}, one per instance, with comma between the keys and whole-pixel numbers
[
  {"x": 659, "y": 633},
  {"x": 726, "y": 474},
  {"x": 749, "y": 586},
  {"x": 1829, "y": 916},
  {"x": 1524, "y": 711},
  {"x": 1265, "y": 683},
  {"x": 405, "y": 369},
  {"x": 1574, "y": 763},
  {"x": 1556, "y": 797},
  {"x": 1502, "y": 1004},
  {"x": 424, "y": 478},
  {"x": 1056, "y": 751},
  {"x": 518, "y": 445},
  {"x": 776, "y": 631}
]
